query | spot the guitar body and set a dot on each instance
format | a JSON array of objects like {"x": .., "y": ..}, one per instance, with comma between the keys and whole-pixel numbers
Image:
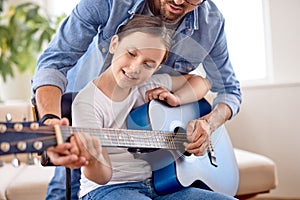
[{"x": 172, "y": 170}]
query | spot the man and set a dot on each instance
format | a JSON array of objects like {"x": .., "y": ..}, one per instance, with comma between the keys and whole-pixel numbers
[{"x": 80, "y": 47}]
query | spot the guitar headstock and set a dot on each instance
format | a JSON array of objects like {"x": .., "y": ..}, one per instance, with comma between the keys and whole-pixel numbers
[{"x": 25, "y": 137}]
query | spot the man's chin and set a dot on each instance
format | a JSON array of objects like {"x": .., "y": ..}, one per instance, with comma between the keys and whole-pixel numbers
[{"x": 170, "y": 19}]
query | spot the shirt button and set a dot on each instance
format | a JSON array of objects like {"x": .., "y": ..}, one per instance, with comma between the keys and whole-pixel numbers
[
  {"x": 103, "y": 50},
  {"x": 189, "y": 69}
]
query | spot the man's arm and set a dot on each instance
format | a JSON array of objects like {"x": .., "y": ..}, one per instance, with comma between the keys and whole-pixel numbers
[
  {"x": 225, "y": 106},
  {"x": 70, "y": 42},
  {"x": 218, "y": 116},
  {"x": 48, "y": 101},
  {"x": 220, "y": 73}
]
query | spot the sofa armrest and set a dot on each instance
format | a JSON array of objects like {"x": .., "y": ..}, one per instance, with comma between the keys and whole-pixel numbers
[{"x": 258, "y": 173}]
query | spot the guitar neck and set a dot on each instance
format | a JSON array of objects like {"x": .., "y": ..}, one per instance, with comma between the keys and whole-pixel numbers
[
  {"x": 33, "y": 137},
  {"x": 132, "y": 138}
]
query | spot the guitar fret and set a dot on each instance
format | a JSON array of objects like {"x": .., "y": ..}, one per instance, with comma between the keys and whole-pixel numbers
[
  {"x": 125, "y": 138},
  {"x": 117, "y": 137},
  {"x": 131, "y": 139},
  {"x": 172, "y": 145},
  {"x": 121, "y": 138},
  {"x": 109, "y": 137},
  {"x": 153, "y": 141},
  {"x": 160, "y": 139},
  {"x": 105, "y": 139},
  {"x": 168, "y": 140},
  {"x": 146, "y": 141}
]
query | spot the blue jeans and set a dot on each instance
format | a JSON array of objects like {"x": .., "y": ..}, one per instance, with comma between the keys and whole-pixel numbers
[
  {"x": 134, "y": 190},
  {"x": 57, "y": 186},
  {"x": 144, "y": 190}
]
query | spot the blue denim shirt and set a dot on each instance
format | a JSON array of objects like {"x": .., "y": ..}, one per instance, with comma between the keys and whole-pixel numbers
[{"x": 78, "y": 52}]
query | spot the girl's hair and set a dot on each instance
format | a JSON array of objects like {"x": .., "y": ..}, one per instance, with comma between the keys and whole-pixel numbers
[{"x": 150, "y": 25}]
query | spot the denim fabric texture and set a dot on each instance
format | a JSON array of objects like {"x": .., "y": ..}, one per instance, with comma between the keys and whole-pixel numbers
[{"x": 144, "y": 191}]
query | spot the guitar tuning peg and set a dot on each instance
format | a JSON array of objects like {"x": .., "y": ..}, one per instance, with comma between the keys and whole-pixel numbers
[
  {"x": 4, "y": 146},
  {"x": 31, "y": 159},
  {"x": 3, "y": 128},
  {"x": 18, "y": 127},
  {"x": 8, "y": 117},
  {"x": 21, "y": 146},
  {"x": 15, "y": 161}
]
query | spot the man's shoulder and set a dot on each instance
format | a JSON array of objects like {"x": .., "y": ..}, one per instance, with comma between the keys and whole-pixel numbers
[{"x": 209, "y": 10}]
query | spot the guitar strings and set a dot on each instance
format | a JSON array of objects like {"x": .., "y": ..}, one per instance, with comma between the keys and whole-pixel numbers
[
  {"x": 132, "y": 138},
  {"x": 113, "y": 137}
]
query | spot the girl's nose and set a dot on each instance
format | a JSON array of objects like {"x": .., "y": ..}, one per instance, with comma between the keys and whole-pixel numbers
[{"x": 135, "y": 67}]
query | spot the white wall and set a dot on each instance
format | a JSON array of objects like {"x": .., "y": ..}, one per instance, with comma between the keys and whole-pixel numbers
[
  {"x": 285, "y": 32},
  {"x": 267, "y": 122}
]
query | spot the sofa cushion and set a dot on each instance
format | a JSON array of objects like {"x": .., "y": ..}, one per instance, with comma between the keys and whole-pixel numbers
[
  {"x": 257, "y": 173},
  {"x": 31, "y": 183},
  {"x": 8, "y": 174}
]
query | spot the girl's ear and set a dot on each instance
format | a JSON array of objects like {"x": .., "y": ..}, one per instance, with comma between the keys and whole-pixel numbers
[{"x": 113, "y": 44}]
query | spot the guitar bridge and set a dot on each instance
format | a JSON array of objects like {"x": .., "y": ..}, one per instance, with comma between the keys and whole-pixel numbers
[{"x": 212, "y": 155}]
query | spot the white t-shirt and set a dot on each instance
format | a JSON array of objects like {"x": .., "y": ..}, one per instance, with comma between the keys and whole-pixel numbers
[{"x": 93, "y": 109}]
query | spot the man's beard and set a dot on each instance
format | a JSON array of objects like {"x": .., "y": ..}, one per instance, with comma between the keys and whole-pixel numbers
[{"x": 167, "y": 16}]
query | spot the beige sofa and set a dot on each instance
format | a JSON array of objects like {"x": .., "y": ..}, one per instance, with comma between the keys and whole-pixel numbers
[{"x": 28, "y": 182}]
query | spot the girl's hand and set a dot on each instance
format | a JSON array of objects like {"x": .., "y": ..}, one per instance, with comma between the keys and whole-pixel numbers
[
  {"x": 87, "y": 146},
  {"x": 163, "y": 95}
]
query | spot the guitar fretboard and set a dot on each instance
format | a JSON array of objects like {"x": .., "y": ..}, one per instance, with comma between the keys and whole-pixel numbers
[{"x": 132, "y": 138}]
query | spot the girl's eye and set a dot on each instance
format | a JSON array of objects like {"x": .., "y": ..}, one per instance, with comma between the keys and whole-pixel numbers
[
  {"x": 130, "y": 53},
  {"x": 150, "y": 66}
]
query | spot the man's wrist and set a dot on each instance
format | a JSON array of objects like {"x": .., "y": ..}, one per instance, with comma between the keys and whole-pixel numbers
[
  {"x": 48, "y": 116},
  {"x": 208, "y": 122}
]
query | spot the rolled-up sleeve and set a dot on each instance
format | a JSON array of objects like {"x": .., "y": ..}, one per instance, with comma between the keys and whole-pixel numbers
[
  {"x": 233, "y": 101},
  {"x": 49, "y": 76}
]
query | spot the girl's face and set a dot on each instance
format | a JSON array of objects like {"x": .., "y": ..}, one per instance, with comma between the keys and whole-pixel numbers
[{"x": 136, "y": 57}]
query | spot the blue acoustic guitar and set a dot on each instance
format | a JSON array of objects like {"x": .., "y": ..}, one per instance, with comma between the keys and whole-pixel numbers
[{"x": 156, "y": 134}]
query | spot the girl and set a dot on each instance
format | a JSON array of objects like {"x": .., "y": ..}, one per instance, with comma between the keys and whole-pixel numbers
[{"x": 137, "y": 52}]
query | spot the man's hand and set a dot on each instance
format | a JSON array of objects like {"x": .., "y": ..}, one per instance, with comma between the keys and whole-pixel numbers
[
  {"x": 199, "y": 130},
  {"x": 61, "y": 154},
  {"x": 198, "y": 135}
]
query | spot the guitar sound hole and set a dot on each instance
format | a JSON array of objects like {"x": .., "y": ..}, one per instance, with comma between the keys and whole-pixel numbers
[{"x": 181, "y": 150}]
